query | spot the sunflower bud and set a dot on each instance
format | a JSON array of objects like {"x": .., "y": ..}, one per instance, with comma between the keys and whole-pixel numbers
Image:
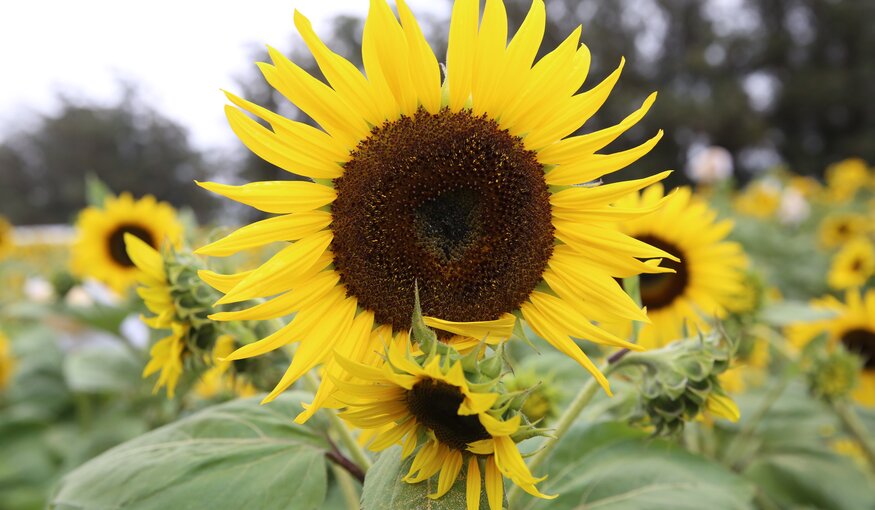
[
  {"x": 681, "y": 382},
  {"x": 832, "y": 376}
]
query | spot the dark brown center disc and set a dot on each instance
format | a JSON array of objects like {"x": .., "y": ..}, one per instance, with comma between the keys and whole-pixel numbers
[{"x": 450, "y": 201}]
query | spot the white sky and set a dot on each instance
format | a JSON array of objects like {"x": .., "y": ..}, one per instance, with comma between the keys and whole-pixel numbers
[{"x": 181, "y": 52}]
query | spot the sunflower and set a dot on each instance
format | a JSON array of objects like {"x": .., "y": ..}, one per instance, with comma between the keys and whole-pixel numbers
[
  {"x": 7, "y": 362},
  {"x": 853, "y": 326},
  {"x": 167, "y": 355},
  {"x": 760, "y": 199},
  {"x": 220, "y": 378},
  {"x": 6, "y": 242},
  {"x": 407, "y": 402},
  {"x": 466, "y": 188},
  {"x": 99, "y": 251},
  {"x": 706, "y": 283},
  {"x": 837, "y": 229},
  {"x": 852, "y": 265},
  {"x": 845, "y": 178}
]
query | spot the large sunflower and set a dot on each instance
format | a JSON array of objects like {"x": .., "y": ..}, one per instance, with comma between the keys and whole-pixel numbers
[
  {"x": 99, "y": 251},
  {"x": 466, "y": 187},
  {"x": 709, "y": 278},
  {"x": 408, "y": 403},
  {"x": 853, "y": 326}
]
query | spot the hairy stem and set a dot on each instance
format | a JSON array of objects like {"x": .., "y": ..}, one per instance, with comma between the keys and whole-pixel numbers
[{"x": 855, "y": 428}]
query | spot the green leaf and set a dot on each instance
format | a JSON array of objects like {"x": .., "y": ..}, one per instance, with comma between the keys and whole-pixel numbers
[
  {"x": 385, "y": 490},
  {"x": 612, "y": 466},
  {"x": 811, "y": 477},
  {"x": 102, "y": 369},
  {"x": 99, "y": 316},
  {"x": 785, "y": 313},
  {"x": 236, "y": 455}
]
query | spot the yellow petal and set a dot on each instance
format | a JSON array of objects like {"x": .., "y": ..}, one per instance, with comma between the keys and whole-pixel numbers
[
  {"x": 290, "y": 227},
  {"x": 460, "y": 51},
  {"x": 424, "y": 68},
  {"x": 222, "y": 282},
  {"x": 581, "y": 197},
  {"x": 497, "y": 427},
  {"x": 596, "y": 166},
  {"x": 385, "y": 51},
  {"x": 282, "y": 270},
  {"x": 494, "y": 485},
  {"x": 449, "y": 473},
  {"x": 279, "y": 197},
  {"x": 303, "y": 295},
  {"x": 501, "y": 327},
  {"x": 489, "y": 54},
  {"x": 145, "y": 257},
  {"x": 472, "y": 487}
]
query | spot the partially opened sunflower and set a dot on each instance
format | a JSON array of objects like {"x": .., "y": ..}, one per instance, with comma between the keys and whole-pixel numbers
[{"x": 466, "y": 186}]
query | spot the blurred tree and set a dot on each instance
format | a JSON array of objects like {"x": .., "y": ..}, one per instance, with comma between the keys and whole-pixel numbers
[{"x": 128, "y": 145}]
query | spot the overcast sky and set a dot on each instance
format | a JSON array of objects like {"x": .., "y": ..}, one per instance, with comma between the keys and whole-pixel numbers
[{"x": 181, "y": 51}]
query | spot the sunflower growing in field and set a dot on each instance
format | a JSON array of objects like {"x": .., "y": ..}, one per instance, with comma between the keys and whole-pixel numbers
[
  {"x": 99, "y": 250},
  {"x": 467, "y": 187},
  {"x": 853, "y": 265},
  {"x": 708, "y": 280},
  {"x": 837, "y": 229},
  {"x": 853, "y": 327}
]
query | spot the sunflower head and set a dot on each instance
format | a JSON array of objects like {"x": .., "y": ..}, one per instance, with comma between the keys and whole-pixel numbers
[
  {"x": 846, "y": 177},
  {"x": 705, "y": 279},
  {"x": 834, "y": 374},
  {"x": 853, "y": 265},
  {"x": 179, "y": 302},
  {"x": 760, "y": 199},
  {"x": 447, "y": 409},
  {"x": 837, "y": 229},
  {"x": 99, "y": 251},
  {"x": 681, "y": 382},
  {"x": 850, "y": 325}
]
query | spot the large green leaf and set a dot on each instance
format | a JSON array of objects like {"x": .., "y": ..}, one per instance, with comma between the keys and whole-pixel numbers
[
  {"x": 235, "y": 455},
  {"x": 612, "y": 466},
  {"x": 812, "y": 478},
  {"x": 384, "y": 489}
]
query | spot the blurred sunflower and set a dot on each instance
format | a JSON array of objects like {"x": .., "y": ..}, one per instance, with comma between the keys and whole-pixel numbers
[
  {"x": 99, "y": 251},
  {"x": 407, "y": 402},
  {"x": 708, "y": 280},
  {"x": 7, "y": 362},
  {"x": 852, "y": 265},
  {"x": 466, "y": 188},
  {"x": 760, "y": 199},
  {"x": 6, "y": 242},
  {"x": 221, "y": 378},
  {"x": 839, "y": 228},
  {"x": 845, "y": 178},
  {"x": 853, "y": 326},
  {"x": 166, "y": 356}
]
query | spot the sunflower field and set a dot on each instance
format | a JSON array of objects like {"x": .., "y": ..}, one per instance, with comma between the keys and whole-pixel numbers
[{"x": 451, "y": 294}]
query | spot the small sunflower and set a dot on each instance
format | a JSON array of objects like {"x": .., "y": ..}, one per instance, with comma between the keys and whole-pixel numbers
[
  {"x": 221, "y": 378},
  {"x": 852, "y": 265},
  {"x": 845, "y": 178},
  {"x": 466, "y": 187},
  {"x": 407, "y": 402},
  {"x": 7, "y": 361},
  {"x": 760, "y": 199},
  {"x": 6, "y": 241},
  {"x": 99, "y": 251},
  {"x": 167, "y": 354},
  {"x": 837, "y": 229},
  {"x": 853, "y": 326},
  {"x": 708, "y": 280}
]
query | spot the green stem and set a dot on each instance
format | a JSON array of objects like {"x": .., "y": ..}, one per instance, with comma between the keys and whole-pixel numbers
[
  {"x": 355, "y": 450},
  {"x": 584, "y": 396},
  {"x": 735, "y": 448},
  {"x": 855, "y": 428},
  {"x": 347, "y": 487}
]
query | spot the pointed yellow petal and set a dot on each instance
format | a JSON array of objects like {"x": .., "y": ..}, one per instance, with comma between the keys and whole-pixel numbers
[
  {"x": 384, "y": 48},
  {"x": 145, "y": 257},
  {"x": 472, "y": 486},
  {"x": 494, "y": 484},
  {"x": 582, "y": 197},
  {"x": 283, "y": 270},
  {"x": 496, "y": 427},
  {"x": 449, "y": 473},
  {"x": 596, "y": 166},
  {"x": 460, "y": 51},
  {"x": 303, "y": 295},
  {"x": 424, "y": 68},
  {"x": 279, "y": 197},
  {"x": 501, "y": 327},
  {"x": 222, "y": 282},
  {"x": 489, "y": 54},
  {"x": 290, "y": 227}
]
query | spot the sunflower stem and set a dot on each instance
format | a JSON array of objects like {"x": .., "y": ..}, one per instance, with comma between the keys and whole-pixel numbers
[
  {"x": 737, "y": 446},
  {"x": 584, "y": 396},
  {"x": 855, "y": 428},
  {"x": 632, "y": 285},
  {"x": 347, "y": 487},
  {"x": 355, "y": 450}
]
